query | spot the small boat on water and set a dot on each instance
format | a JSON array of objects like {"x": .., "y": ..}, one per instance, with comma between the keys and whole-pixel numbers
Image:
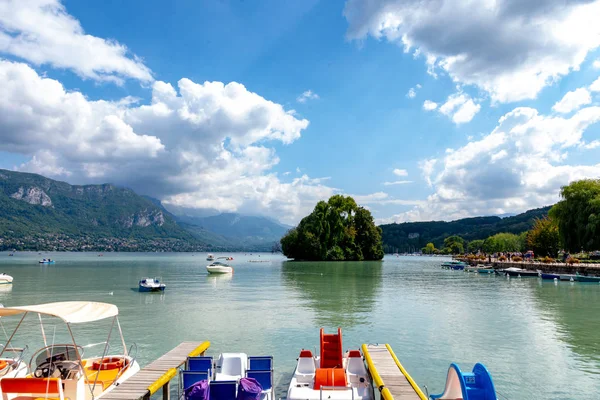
[
  {"x": 456, "y": 265},
  {"x": 151, "y": 285},
  {"x": 334, "y": 374},
  {"x": 475, "y": 385},
  {"x": 233, "y": 375},
  {"x": 5, "y": 279},
  {"x": 567, "y": 277},
  {"x": 545, "y": 276},
  {"x": 587, "y": 278},
  {"x": 210, "y": 257},
  {"x": 519, "y": 272},
  {"x": 218, "y": 267},
  {"x": 485, "y": 269},
  {"x": 59, "y": 371},
  {"x": 48, "y": 261}
]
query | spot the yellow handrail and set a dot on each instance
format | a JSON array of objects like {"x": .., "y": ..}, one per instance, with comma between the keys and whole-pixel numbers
[
  {"x": 410, "y": 380},
  {"x": 385, "y": 393},
  {"x": 163, "y": 380},
  {"x": 199, "y": 350}
]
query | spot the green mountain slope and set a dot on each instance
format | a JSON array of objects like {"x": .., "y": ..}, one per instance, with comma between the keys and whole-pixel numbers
[
  {"x": 412, "y": 236},
  {"x": 34, "y": 206}
]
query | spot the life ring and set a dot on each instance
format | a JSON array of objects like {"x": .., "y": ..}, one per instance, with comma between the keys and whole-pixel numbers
[
  {"x": 108, "y": 363},
  {"x": 3, "y": 364}
]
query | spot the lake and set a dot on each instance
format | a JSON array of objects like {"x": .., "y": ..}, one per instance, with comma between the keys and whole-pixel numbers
[{"x": 540, "y": 340}]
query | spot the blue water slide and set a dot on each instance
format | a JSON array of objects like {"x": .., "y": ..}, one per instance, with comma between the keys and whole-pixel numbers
[{"x": 475, "y": 385}]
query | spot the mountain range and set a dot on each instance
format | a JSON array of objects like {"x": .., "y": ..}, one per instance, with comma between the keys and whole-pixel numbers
[{"x": 38, "y": 213}]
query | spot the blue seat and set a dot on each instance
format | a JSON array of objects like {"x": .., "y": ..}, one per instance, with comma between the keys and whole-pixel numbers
[
  {"x": 199, "y": 363},
  {"x": 188, "y": 378},
  {"x": 263, "y": 377},
  {"x": 264, "y": 363},
  {"x": 223, "y": 390}
]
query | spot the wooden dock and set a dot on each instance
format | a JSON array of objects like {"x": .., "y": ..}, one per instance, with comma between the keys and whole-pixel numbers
[
  {"x": 157, "y": 374},
  {"x": 389, "y": 376}
]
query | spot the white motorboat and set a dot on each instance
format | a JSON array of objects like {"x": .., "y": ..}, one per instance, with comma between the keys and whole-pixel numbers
[
  {"x": 332, "y": 375},
  {"x": 151, "y": 285},
  {"x": 218, "y": 267},
  {"x": 5, "y": 279},
  {"x": 210, "y": 257},
  {"x": 59, "y": 370}
]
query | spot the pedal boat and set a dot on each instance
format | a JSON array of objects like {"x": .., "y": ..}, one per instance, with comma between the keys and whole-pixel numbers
[
  {"x": 332, "y": 375},
  {"x": 59, "y": 371}
]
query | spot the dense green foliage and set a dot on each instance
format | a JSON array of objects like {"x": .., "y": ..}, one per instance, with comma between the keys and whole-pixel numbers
[
  {"x": 454, "y": 245},
  {"x": 578, "y": 215},
  {"x": 475, "y": 245},
  {"x": 503, "y": 242},
  {"x": 544, "y": 238},
  {"x": 336, "y": 230},
  {"x": 413, "y": 236},
  {"x": 429, "y": 249}
]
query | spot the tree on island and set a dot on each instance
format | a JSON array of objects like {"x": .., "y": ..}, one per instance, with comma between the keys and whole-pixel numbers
[
  {"x": 578, "y": 215},
  {"x": 336, "y": 230}
]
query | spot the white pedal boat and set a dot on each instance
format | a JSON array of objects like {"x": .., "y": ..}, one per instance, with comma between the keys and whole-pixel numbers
[{"x": 332, "y": 375}]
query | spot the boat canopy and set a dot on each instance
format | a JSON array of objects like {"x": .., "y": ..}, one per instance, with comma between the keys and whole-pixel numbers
[{"x": 71, "y": 312}]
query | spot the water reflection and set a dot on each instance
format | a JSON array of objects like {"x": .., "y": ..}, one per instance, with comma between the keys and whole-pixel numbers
[
  {"x": 563, "y": 302},
  {"x": 340, "y": 293},
  {"x": 219, "y": 281}
]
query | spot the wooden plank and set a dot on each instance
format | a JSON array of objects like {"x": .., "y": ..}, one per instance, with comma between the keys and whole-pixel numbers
[
  {"x": 393, "y": 379},
  {"x": 136, "y": 387}
]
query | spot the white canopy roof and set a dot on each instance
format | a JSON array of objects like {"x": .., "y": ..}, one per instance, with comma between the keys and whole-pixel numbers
[{"x": 72, "y": 312}]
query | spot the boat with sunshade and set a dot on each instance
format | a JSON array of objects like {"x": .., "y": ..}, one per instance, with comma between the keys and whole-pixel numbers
[
  {"x": 334, "y": 374},
  {"x": 60, "y": 371}
]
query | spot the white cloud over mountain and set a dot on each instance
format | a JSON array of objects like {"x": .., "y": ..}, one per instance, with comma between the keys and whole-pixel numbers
[
  {"x": 200, "y": 145},
  {"x": 520, "y": 165},
  {"x": 43, "y": 33},
  {"x": 511, "y": 49}
]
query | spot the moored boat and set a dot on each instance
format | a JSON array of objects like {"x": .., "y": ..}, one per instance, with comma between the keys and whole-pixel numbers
[
  {"x": 59, "y": 370},
  {"x": 5, "y": 279},
  {"x": 456, "y": 265},
  {"x": 151, "y": 285},
  {"x": 587, "y": 278},
  {"x": 218, "y": 267},
  {"x": 332, "y": 375},
  {"x": 519, "y": 272},
  {"x": 48, "y": 261},
  {"x": 210, "y": 257},
  {"x": 544, "y": 275},
  {"x": 485, "y": 269},
  {"x": 568, "y": 277}
]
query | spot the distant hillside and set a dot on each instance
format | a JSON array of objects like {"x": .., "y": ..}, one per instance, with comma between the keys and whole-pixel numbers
[
  {"x": 234, "y": 230},
  {"x": 412, "y": 236},
  {"x": 32, "y": 205}
]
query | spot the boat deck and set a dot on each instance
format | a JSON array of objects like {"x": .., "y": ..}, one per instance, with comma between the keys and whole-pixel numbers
[
  {"x": 138, "y": 386},
  {"x": 389, "y": 375}
]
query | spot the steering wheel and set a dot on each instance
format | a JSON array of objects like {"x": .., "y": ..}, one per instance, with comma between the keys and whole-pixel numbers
[{"x": 45, "y": 370}]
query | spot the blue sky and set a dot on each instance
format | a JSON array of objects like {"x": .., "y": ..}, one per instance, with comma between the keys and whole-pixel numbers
[{"x": 333, "y": 100}]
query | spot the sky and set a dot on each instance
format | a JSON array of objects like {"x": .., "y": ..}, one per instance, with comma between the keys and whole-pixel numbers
[{"x": 419, "y": 109}]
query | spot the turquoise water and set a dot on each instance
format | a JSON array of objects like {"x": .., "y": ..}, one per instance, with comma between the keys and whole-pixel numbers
[{"x": 540, "y": 340}]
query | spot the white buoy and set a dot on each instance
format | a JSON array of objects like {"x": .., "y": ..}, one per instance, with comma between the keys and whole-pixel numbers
[{"x": 110, "y": 293}]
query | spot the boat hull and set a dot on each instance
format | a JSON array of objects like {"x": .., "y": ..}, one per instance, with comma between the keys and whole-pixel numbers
[
  {"x": 219, "y": 270},
  {"x": 522, "y": 274},
  {"x": 550, "y": 276},
  {"x": 152, "y": 289},
  {"x": 591, "y": 279},
  {"x": 567, "y": 277}
]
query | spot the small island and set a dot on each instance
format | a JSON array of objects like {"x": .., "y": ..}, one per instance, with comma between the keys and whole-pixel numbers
[{"x": 336, "y": 230}]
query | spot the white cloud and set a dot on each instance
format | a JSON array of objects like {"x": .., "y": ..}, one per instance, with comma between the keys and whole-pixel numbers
[
  {"x": 429, "y": 105},
  {"x": 307, "y": 95},
  {"x": 520, "y": 165},
  {"x": 427, "y": 167},
  {"x": 183, "y": 147},
  {"x": 400, "y": 172},
  {"x": 573, "y": 101},
  {"x": 511, "y": 49},
  {"x": 396, "y": 183},
  {"x": 596, "y": 64},
  {"x": 42, "y": 32},
  {"x": 591, "y": 145},
  {"x": 412, "y": 92},
  {"x": 595, "y": 86},
  {"x": 460, "y": 108}
]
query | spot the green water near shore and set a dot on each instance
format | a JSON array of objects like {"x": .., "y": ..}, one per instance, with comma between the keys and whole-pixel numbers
[{"x": 540, "y": 340}]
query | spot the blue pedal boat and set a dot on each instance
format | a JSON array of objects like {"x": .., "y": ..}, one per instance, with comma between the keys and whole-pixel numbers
[
  {"x": 475, "y": 385},
  {"x": 151, "y": 285}
]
